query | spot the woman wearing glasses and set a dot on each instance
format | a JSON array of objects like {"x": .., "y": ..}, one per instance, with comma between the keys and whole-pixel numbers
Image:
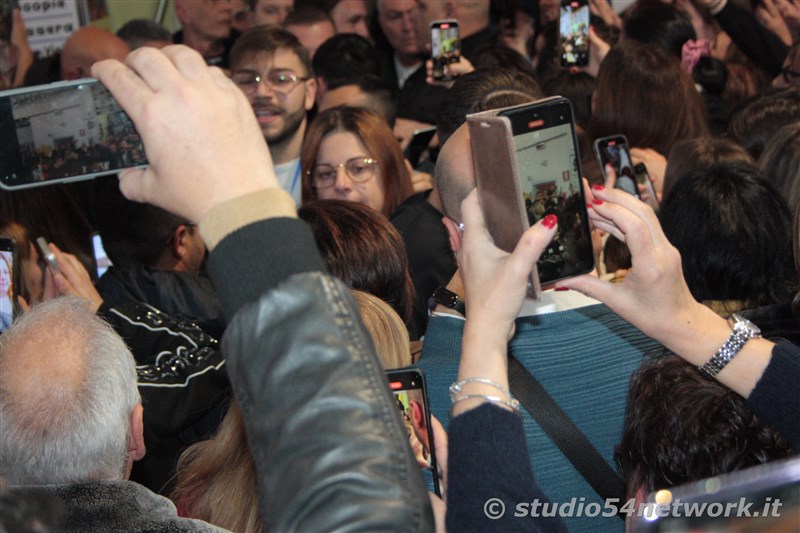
[{"x": 351, "y": 154}]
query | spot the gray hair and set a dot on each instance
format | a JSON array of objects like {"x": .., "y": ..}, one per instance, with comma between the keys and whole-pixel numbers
[{"x": 75, "y": 426}]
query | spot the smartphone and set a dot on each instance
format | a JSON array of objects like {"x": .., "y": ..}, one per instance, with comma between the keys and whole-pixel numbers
[
  {"x": 100, "y": 258},
  {"x": 546, "y": 179},
  {"x": 64, "y": 132},
  {"x": 643, "y": 178},
  {"x": 445, "y": 46},
  {"x": 613, "y": 150},
  {"x": 49, "y": 257},
  {"x": 411, "y": 399},
  {"x": 573, "y": 33},
  {"x": 8, "y": 281},
  {"x": 419, "y": 142}
]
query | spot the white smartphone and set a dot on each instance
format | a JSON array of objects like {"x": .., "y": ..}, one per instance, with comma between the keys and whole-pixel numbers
[{"x": 47, "y": 254}]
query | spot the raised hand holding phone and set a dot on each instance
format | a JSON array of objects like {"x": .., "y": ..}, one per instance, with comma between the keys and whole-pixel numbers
[{"x": 202, "y": 140}]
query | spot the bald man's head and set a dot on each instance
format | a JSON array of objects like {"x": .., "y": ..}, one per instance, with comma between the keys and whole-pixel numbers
[
  {"x": 85, "y": 47},
  {"x": 454, "y": 175},
  {"x": 68, "y": 397}
]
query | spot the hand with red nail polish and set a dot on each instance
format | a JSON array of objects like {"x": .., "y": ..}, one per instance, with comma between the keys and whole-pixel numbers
[{"x": 495, "y": 282}]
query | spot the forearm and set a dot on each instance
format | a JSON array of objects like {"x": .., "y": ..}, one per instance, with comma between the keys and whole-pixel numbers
[
  {"x": 696, "y": 336},
  {"x": 330, "y": 450},
  {"x": 255, "y": 242},
  {"x": 488, "y": 461},
  {"x": 483, "y": 356},
  {"x": 775, "y": 398}
]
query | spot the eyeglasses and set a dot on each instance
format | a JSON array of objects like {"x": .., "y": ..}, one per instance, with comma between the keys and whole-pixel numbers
[
  {"x": 280, "y": 81},
  {"x": 359, "y": 169},
  {"x": 788, "y": 74}
]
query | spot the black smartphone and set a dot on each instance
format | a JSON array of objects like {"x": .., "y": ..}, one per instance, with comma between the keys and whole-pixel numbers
[
  {"x": 643, "y": 178},
  {"x": 573, "y": 33},
  {"x": 445, "y": 46},
  {"x": 100, "y": 258},
  {"x": 8, "y": 281},
  {"x": 548, "y": 165},
  {"x": 419, "y": 142},
  {"x": 613, "y": 150},
  {"x": 411, "y": 397},
  {"x": 49, "y": 257},
  {"x": 64, "y": 132}
]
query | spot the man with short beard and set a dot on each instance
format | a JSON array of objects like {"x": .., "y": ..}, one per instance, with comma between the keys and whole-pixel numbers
[{"x": 273, "y": 70}]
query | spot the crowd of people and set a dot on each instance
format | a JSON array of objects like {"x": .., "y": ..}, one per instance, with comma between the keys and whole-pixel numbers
[{"x": 279, "y": 253}]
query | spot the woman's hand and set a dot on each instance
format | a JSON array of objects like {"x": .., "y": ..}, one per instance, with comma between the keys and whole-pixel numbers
[{"x": 495, "y": 282}]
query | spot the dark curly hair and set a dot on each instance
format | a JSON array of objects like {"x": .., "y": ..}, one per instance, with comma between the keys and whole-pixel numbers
[{"x": 681, "y": 426}]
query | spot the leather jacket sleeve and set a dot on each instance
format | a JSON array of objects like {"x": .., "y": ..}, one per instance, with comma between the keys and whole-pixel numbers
[{"x": 330, "y": 450}]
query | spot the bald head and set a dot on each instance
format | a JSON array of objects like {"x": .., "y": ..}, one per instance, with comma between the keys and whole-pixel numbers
[
  {"x": 67, "y": 393},
  {"x": 454, "y": 175},
  {"x": 85, "y": 47}
]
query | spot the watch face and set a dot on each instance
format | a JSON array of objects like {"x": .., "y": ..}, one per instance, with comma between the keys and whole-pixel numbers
[
  {"x": 744, "y": 325},
  {"x": 446, "y": 298}
]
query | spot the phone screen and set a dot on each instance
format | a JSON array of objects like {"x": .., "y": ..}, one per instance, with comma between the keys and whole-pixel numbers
[
  {"x": 573, "y": 37},
  {"x": 550, "y": 177},
  {"x": 6, "y": 283},
  {"x": 613, "y": 150},
  {"x": 408, "y": 388},
  {"x": 445, "y": 46},
  {"x": 64, "y": 132},
  {"x": 101, "y": 260}
]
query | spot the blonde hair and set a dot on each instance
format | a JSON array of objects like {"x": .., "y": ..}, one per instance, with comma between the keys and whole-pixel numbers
[
  {"x": 216, "y": 478},
  {"x": 388, "y": 332}
]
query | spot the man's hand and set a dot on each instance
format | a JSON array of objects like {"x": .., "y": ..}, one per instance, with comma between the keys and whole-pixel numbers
[
  {"x": 603, "y": 9},
  {"x": 202, "y": 140},
  {"x": 453, "y": 70},
  {"x": 73, "y": 280}
]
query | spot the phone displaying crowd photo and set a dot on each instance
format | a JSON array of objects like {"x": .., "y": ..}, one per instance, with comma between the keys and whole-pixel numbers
[
  {"x": 411, "y": 397},
  {"x": 546, "y": 149},
  {"x": 613, "y": 150},
  {"x": 445, "y": 46},
  {"x": 64, "y": 132},
  {"x": 573, "y": 34},
  {"x": 8, "y": 257}
]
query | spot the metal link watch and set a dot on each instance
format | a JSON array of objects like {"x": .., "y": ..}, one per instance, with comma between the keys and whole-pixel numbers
[{"x": 743, "y": 331}]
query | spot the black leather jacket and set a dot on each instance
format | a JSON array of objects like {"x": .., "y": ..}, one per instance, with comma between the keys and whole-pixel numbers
[{"x": 329, "y": 446}]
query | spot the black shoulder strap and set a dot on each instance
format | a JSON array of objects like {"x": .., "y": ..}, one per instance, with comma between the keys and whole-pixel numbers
[{"x": 563, "y": 431}]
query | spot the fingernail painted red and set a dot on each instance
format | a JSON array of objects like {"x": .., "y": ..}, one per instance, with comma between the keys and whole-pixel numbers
[
  {"x": 589, "y": 206},
  {"x": 550, "y": 221},
  {"x": 597, "y": 201},
  {"x": 562, "y": 288},
  {"x": 598, "y": 187}
]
